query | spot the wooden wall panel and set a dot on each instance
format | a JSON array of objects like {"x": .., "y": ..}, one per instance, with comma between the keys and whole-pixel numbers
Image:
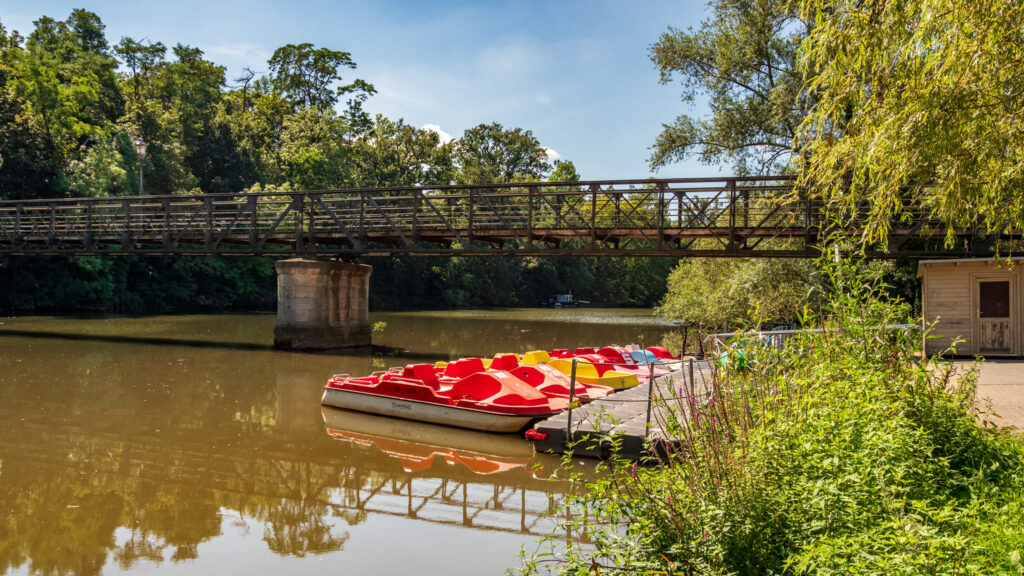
[{"x": 948, "y": 294}]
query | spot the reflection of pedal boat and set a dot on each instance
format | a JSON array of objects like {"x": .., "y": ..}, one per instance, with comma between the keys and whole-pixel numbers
[
  {"x": 493, "y": 401},
  {"x": 417, "y": 444}
]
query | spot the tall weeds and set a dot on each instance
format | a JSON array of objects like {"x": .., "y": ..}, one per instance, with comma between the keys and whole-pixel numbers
[{"x": 842, "y": 452}]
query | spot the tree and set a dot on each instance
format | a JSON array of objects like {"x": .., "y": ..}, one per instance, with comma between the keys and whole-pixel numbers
[
  {"x": 313, "y": 152},
  {"x": 89, "y": 32},
  {"x": 719, "y": 292},
  {"x": 743, "y": 59},
  {"x": 307, "y": 76},
  {"x": 63, "y": 87},
  {"x": 394, "y": 153},
  {"x": 489, "y": 153},
  {"x": 191, "y": 87},
  {"x": 919, "y": 107},
  {"x": 565, "y": 171},
  {"x": 28, "y": 166},
  {"x": 141, "y": 59}
]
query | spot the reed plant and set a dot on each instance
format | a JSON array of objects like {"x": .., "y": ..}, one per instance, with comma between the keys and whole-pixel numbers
[{"x": 842, "y": 451}]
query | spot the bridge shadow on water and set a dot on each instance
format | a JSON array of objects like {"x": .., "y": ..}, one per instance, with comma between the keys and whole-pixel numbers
[{"x": 375, "y": 350}]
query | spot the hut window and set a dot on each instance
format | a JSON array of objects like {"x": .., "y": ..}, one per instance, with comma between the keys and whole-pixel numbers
[{"x": 994, "y": 299}]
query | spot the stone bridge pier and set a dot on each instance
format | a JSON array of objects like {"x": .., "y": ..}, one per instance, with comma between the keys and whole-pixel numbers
[{"x": 322, "y": 305}]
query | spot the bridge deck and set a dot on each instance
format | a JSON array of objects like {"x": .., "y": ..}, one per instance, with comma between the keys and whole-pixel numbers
[{"x": 757, "y": 216}]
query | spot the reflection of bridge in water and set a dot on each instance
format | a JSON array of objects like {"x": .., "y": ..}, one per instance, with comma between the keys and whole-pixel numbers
[
  {"x": 475, "y": 504},
  {"x": 453, "y": 476},
  {"x": 307, "y": 500}
]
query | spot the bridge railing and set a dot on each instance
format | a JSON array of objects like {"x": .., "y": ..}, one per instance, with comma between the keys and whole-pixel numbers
[{"x": 623, "y": 216}]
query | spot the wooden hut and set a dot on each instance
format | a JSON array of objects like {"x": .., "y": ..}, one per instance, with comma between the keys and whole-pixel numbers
[{"x": 978, "y": 301}]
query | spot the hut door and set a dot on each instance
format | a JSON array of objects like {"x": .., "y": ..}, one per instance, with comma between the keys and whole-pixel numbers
[{"x": 995, "y": 310}]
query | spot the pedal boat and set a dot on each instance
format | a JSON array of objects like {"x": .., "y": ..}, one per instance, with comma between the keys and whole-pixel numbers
[
  {"x": 549, "y": 380},
  {"x": 566, "y": 353},
  {"x": 545, "y": 379},
  {"x": 622, "y": 360},
  {"x": 593, "y": 371},
  {"x": 491, "y": 401},
  {"x": 662, "y": 353}
]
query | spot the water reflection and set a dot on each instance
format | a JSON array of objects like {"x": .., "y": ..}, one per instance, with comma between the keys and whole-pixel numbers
[
  {"x": 453, "y": 481},
  {"x": 118, "y": 455},
  {"x": 417, "y": 444}
]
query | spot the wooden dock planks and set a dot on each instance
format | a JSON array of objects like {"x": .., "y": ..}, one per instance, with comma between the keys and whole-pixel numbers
[{"x": 622, "y": 415}]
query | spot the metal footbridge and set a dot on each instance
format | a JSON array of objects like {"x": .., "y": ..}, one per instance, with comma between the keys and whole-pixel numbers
[{"x": 730, "y": 217}]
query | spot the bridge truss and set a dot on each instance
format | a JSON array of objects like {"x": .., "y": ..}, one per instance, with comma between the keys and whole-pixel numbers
[{"x": 754, "y": 216}]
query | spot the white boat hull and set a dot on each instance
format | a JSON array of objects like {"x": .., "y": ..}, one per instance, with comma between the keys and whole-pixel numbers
[{"x": 426, "y": 412}]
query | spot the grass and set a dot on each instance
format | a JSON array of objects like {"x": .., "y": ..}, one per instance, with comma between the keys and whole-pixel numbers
[{"x": 845, "y": 452}]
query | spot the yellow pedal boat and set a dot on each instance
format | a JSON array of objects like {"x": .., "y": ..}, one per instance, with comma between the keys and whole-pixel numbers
[{"x": 586, "y": 373}]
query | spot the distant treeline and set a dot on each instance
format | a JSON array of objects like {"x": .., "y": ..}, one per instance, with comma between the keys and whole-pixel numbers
[
  {"x": 73, "y": 106},
  {"x": 132, "y": 285}
]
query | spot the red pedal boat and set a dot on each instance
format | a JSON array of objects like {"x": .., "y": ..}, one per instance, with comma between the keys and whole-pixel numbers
[
  {"x": 493, "y": 401},
  {"x": 548, "y": 380}
]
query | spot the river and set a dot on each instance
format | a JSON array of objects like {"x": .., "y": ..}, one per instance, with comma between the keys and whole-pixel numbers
[{"x": 175, "y": 444}]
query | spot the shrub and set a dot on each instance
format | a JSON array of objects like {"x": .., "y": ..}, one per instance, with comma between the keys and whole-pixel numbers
[{"x": 842, "y": 452}]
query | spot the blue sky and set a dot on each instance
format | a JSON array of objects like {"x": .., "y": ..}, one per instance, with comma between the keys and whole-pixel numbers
[{"x": 576, "y": 73}]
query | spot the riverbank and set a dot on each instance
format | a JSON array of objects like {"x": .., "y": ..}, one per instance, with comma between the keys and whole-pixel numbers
[{"x": 844, "y": 452}]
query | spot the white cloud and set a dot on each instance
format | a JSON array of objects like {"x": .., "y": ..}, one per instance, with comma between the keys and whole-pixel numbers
[
  {"x": 444, "y": 136},
  {"x": 551, "y": 153}
]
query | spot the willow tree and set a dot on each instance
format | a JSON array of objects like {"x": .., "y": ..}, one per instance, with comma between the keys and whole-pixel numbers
[{"x": 919, "y": 106}]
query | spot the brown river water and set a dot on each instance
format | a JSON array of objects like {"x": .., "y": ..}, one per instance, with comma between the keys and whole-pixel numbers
[{"x": 175, "y": 444}]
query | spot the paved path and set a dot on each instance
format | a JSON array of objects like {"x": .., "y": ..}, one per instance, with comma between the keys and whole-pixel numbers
[{"x": 1002, "y": 383}]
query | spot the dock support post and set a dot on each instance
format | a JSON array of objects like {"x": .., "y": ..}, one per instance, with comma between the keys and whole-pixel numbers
[
  {"x": 650, "y": 398},
  {"x": 572, "y": 395},
  {"x": 322, "y": 305}
]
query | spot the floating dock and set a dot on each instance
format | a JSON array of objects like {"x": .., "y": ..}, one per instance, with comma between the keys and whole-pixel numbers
[{"x": 623, "y": 416}]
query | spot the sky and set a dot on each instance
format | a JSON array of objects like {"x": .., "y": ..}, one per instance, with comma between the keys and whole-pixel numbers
[{"x": 576, "y": 73}]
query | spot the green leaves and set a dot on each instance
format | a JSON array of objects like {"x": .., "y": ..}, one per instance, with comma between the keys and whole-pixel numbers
[
  {"x": 742, "y": 60},
  {"x": 841, "y": 452},
  {"x": 308, "y": 77},
  {"x": 489, "y": 153},
  {"x": 718, "y": 292},
  {"x": 917, "y": 112}
]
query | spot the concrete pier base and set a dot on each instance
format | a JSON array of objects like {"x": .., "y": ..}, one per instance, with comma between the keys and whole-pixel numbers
[{"x": 322, "y": 305}]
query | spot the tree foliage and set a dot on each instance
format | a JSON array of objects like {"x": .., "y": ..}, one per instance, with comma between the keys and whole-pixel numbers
[
  {"x": 308, "y": 77},
  {"x": 918, "y": 109},
  {"x": 490, "y": 153},
  {"x": 742, "y": 59},
  {"x": 393, "y": 153},
  {"x": 717, "y": 293}
]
